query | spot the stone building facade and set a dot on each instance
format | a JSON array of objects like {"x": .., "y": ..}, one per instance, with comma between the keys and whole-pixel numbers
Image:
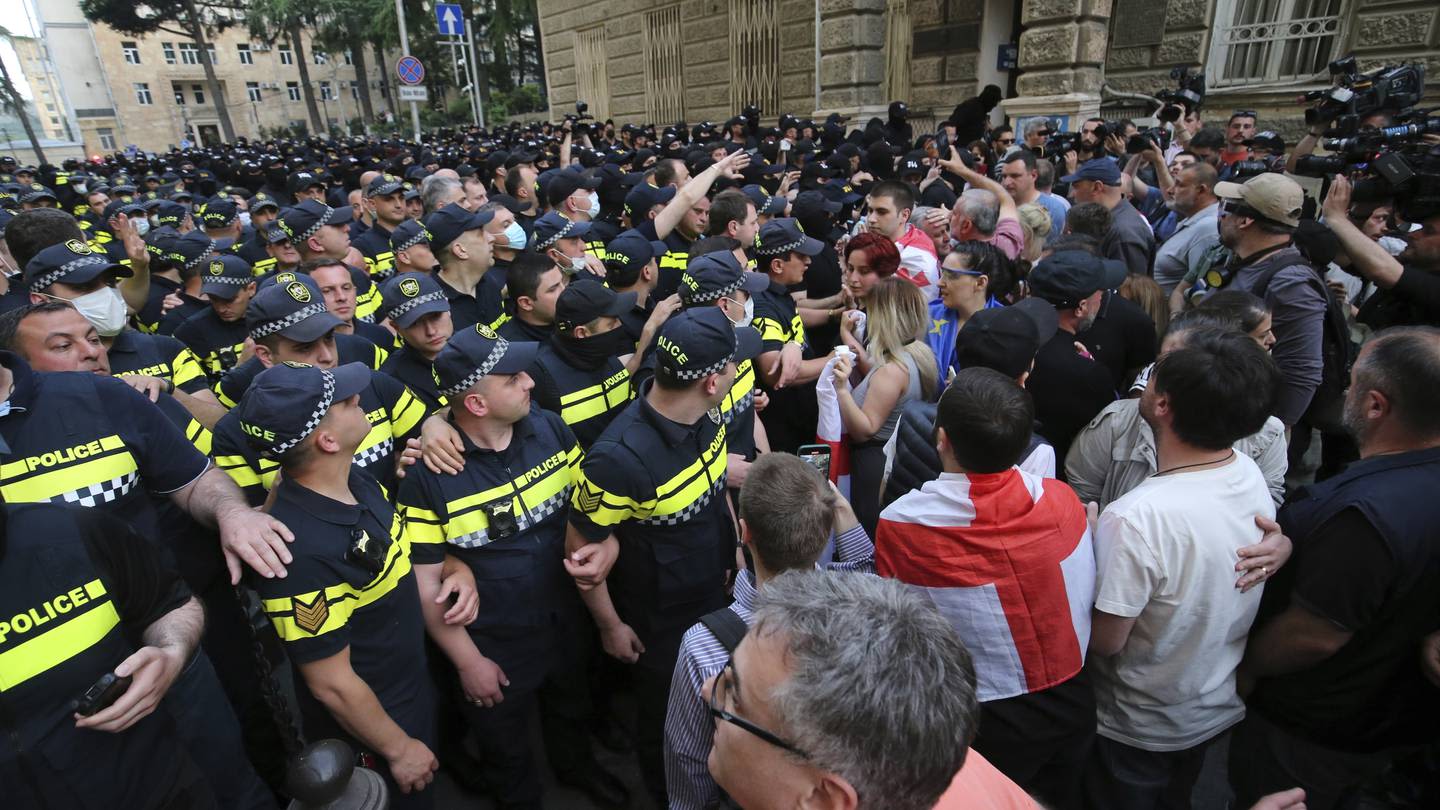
[
  {"x": 659, "y": 60},
  {"x": 44, "y": 88},
  {"x": 151, "y": 91}
]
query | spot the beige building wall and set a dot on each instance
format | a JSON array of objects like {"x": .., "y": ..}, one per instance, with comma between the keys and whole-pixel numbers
[
  {"x": 262, "y": 95},
  {"x": 44, "y": 89}
]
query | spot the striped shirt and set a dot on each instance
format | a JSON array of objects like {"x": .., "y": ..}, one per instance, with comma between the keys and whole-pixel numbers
[{"x": 689, "y": 731}]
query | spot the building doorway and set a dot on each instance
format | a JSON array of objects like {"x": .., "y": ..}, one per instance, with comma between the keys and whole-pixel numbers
[{"x": 209, "y": 134}]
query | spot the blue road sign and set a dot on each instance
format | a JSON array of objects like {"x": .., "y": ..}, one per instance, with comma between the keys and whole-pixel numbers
[
  {"x": 450, "y": 20},
  {"x": 410, "y": 70}
]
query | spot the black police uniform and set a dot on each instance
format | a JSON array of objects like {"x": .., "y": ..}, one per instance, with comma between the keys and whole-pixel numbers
[
  {"x": 504, "y": 515},
  {"x": 188, "y": 308},
  {"x": 374, "y": 245},
  {"x": 76, "y": 588},
  {"x": 252, "y": 249},
  {"x": 407, "y": 366},
  {"x": 149, "y": 317},
  {"x": 334, "y": 598},
  {"x": 793, "y": 410},
  {"x": 586, "y": 395},
  {"x": 376, "y": 334},
  {"x": 394, "y": 413},
  {"x": 134, "y": 352},
  {"x": 217, "y": 343},
  {"x": 467, "y": 310},
  {"x": 518, "y": 331},
  {"x": 348, "y": 349}
]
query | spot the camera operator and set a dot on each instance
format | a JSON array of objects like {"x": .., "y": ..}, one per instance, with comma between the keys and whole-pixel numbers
[
  {"x": 1306, "y": 145},
  {"x": 1150, "y": 200},
  {"x": 1409, "y": 284}
]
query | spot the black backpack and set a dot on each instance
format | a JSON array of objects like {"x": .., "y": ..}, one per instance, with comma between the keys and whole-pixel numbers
[{"x": 1336, "y": 349}]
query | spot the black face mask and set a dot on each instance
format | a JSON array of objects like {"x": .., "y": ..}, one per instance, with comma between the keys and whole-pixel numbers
[{"x": 596, "y": 349}]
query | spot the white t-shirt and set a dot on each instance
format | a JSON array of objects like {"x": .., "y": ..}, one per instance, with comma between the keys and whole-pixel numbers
[{"x": 1166, "y": 557}]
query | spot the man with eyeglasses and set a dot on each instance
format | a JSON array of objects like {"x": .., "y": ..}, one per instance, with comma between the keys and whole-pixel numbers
[
  {"x": 787, "y": 514},
  {"x": 867, "y": 667}
]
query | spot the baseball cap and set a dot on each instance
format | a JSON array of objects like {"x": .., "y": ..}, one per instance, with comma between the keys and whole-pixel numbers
[
  {"x": 70, "y": 262},
  {"x": 299, "y": 181},
  {"x": 698, "y": 342},
  {"x": 912, "y": 163},
  {"x": 784, "y": 235},
  {"x": 644, "y": 196},
  {"x": 584, "y": 300},
  {"x": 169, "y": 213},
  {"x": 191, "y": 248},
  {"x": 408, "y": 234},
  {"x": 1006, "y": 338},
  {"x": 218, "y": 213},
  {"x": 225, "y": 275},
  {"x": 1272, "y": 196},
  {"x": 553, "y": 227},
  {"x": 713, "y": 276},
  {"x": 631, "y": 250},
  {"x": 383, "y": 185},
  {"x": 287, "y": 401},
  {"x": 261, "y": 201},
  {"x": 303, "y": 221},
  {"x": 1267, "y": 139},
  {"x": 406, "y": 297},
  {"x": 292, "y": 307},
  {"x": 764, "y": 203},
  {"x": 813, "y": 202},
  {"x": 565, "y": 183},
  {"x": 472, "y": 354},
  {"x": 446, "y": 224},
  {"x": 1103, "y": 169},
  {"x": 36, "y": 192},
  {"x": 274, "y": 234},
  {"x": 1067, "y": 277}
]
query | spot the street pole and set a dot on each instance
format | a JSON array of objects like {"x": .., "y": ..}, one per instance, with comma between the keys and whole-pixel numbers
[
  {"x": 405, "y": 51},
  {"x": 472, "y": 63}
]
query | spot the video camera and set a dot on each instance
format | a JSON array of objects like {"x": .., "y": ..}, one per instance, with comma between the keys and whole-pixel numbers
[
  {"x": 1356, "y": 95},
  {"x": 1186, "y": 98},
  {"x": 1393, "y": 161}
]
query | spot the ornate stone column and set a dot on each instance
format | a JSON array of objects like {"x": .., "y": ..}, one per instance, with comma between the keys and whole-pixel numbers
[
  {"x": 1062, "y": 53},
  {"x": 852, "y": 58}
]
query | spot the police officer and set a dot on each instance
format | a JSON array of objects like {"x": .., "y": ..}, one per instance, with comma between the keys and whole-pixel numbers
[
  {"x": 318, "y": 231},
  {"x": 414, "y": 303},
  {"x": 503, "y": 515},
  {"x": 410, "y": 244},
  {"x": 565, "y": 241},
  {"x": 186, "y": 252},
  {"x": 347, "y": 611},
  {"x": 651, "y": 488},
  {"x": 85, "y": 597},
  {"x": 462, "y": 247},
  {"x": 220, "y": 219},
  {"x": 630, "y": 266},
  {"x": 289, "y": 323},
  {"x": 784, "y": 253},
  {"x": 578, "y": 373},
  {"x": 385, "y": 196},
  {"x": 263, "y": 209},
  {"x": 534, "y": 285},
  {"x": 217, "y": 335}
]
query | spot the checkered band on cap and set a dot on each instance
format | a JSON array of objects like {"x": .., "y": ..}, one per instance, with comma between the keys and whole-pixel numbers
[
  {"x": 319, "y": 223},
  {"x": 422, "y": 235},
  {"x": 560, "y": 234},
  {"x": 496, "y": 353},
  {"x": 228, "y": 281},
  {"x": 271, "y": 327},
  {"x": 776, "y": 251},
  {"x": 41, "y": 282},
  {"x": 327, "y": 398},
  {"x": 713, "y": 368},
  {"x": 204, "y": 254},
  {"x": 405, "y": 306},
  {"x": 707, "y": 296}
]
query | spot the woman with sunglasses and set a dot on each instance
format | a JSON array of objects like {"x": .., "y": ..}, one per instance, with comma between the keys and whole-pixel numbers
[{"x": 972, "y": 275}]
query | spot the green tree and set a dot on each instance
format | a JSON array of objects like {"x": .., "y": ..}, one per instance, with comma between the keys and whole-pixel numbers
[
  {"x": 193, "y": 19},
  {"x": 11, "y": 101},
  {"x": 274, "y": 20}
]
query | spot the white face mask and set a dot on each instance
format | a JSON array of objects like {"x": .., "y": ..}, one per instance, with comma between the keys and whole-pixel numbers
[
  {"x": 142, "y": 226},
  {"x": 245, "y": 218},
  {"x": 749, "y": 315},
  {"x": 104, "y": 309},
  {"x": 577, "y": 263},
  {"x": 515, "y": 236},
  {"x": 594, "y": 205}
]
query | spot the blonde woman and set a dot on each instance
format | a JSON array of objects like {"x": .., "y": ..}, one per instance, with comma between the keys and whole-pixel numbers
[
  {"x": 902, "y": 368},
  {"x": 1036, "y": 225}
]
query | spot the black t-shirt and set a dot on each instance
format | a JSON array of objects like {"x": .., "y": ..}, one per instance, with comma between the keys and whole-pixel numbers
[
  {"x": 516, "y": 330},
  {"x": 1122, "y": 339},
  {"x": 1069, "y": 390}
]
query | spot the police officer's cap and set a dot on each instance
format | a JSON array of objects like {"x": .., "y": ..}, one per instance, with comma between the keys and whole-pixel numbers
[
  {"x": 224, "y": 275},
  {"x": 764, "y": 202},
  {"x": 780, "y": 236},
  {"x": 446, "y": 224},
  {"x": 273, "y": 234},
  {"x": 383, "y": 185},
  {"x": 290, "y": 305},
  {"x": 584, "y": 300},
  {"x": 408, "y": 234},
  {"x": 567, "y": 182},
  {"x": 632, "y": 251},
  {"x": 472, "y": 354},
  {"x": 713, "y": 276},
  {"x": 695, "y": 343},
  {"x": 287, "y": 402},
  {"x": 219, "y": 213},
  {"x": 553, "y": 227},
  {"x": 36, "y": 192},
  {"x": 306, "y": 219},
  {"x": 70, "y": 262},
  {"x": 262, "y": 201},
  {"x": 192, "y": 248},
  {"x": 643, "y": 197},
  {"x": 407, "y": 297},
  {"x": 169, "y": 213},
  {"x": 129, "y": 209},
  {"x": 300, "y": 181}
]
